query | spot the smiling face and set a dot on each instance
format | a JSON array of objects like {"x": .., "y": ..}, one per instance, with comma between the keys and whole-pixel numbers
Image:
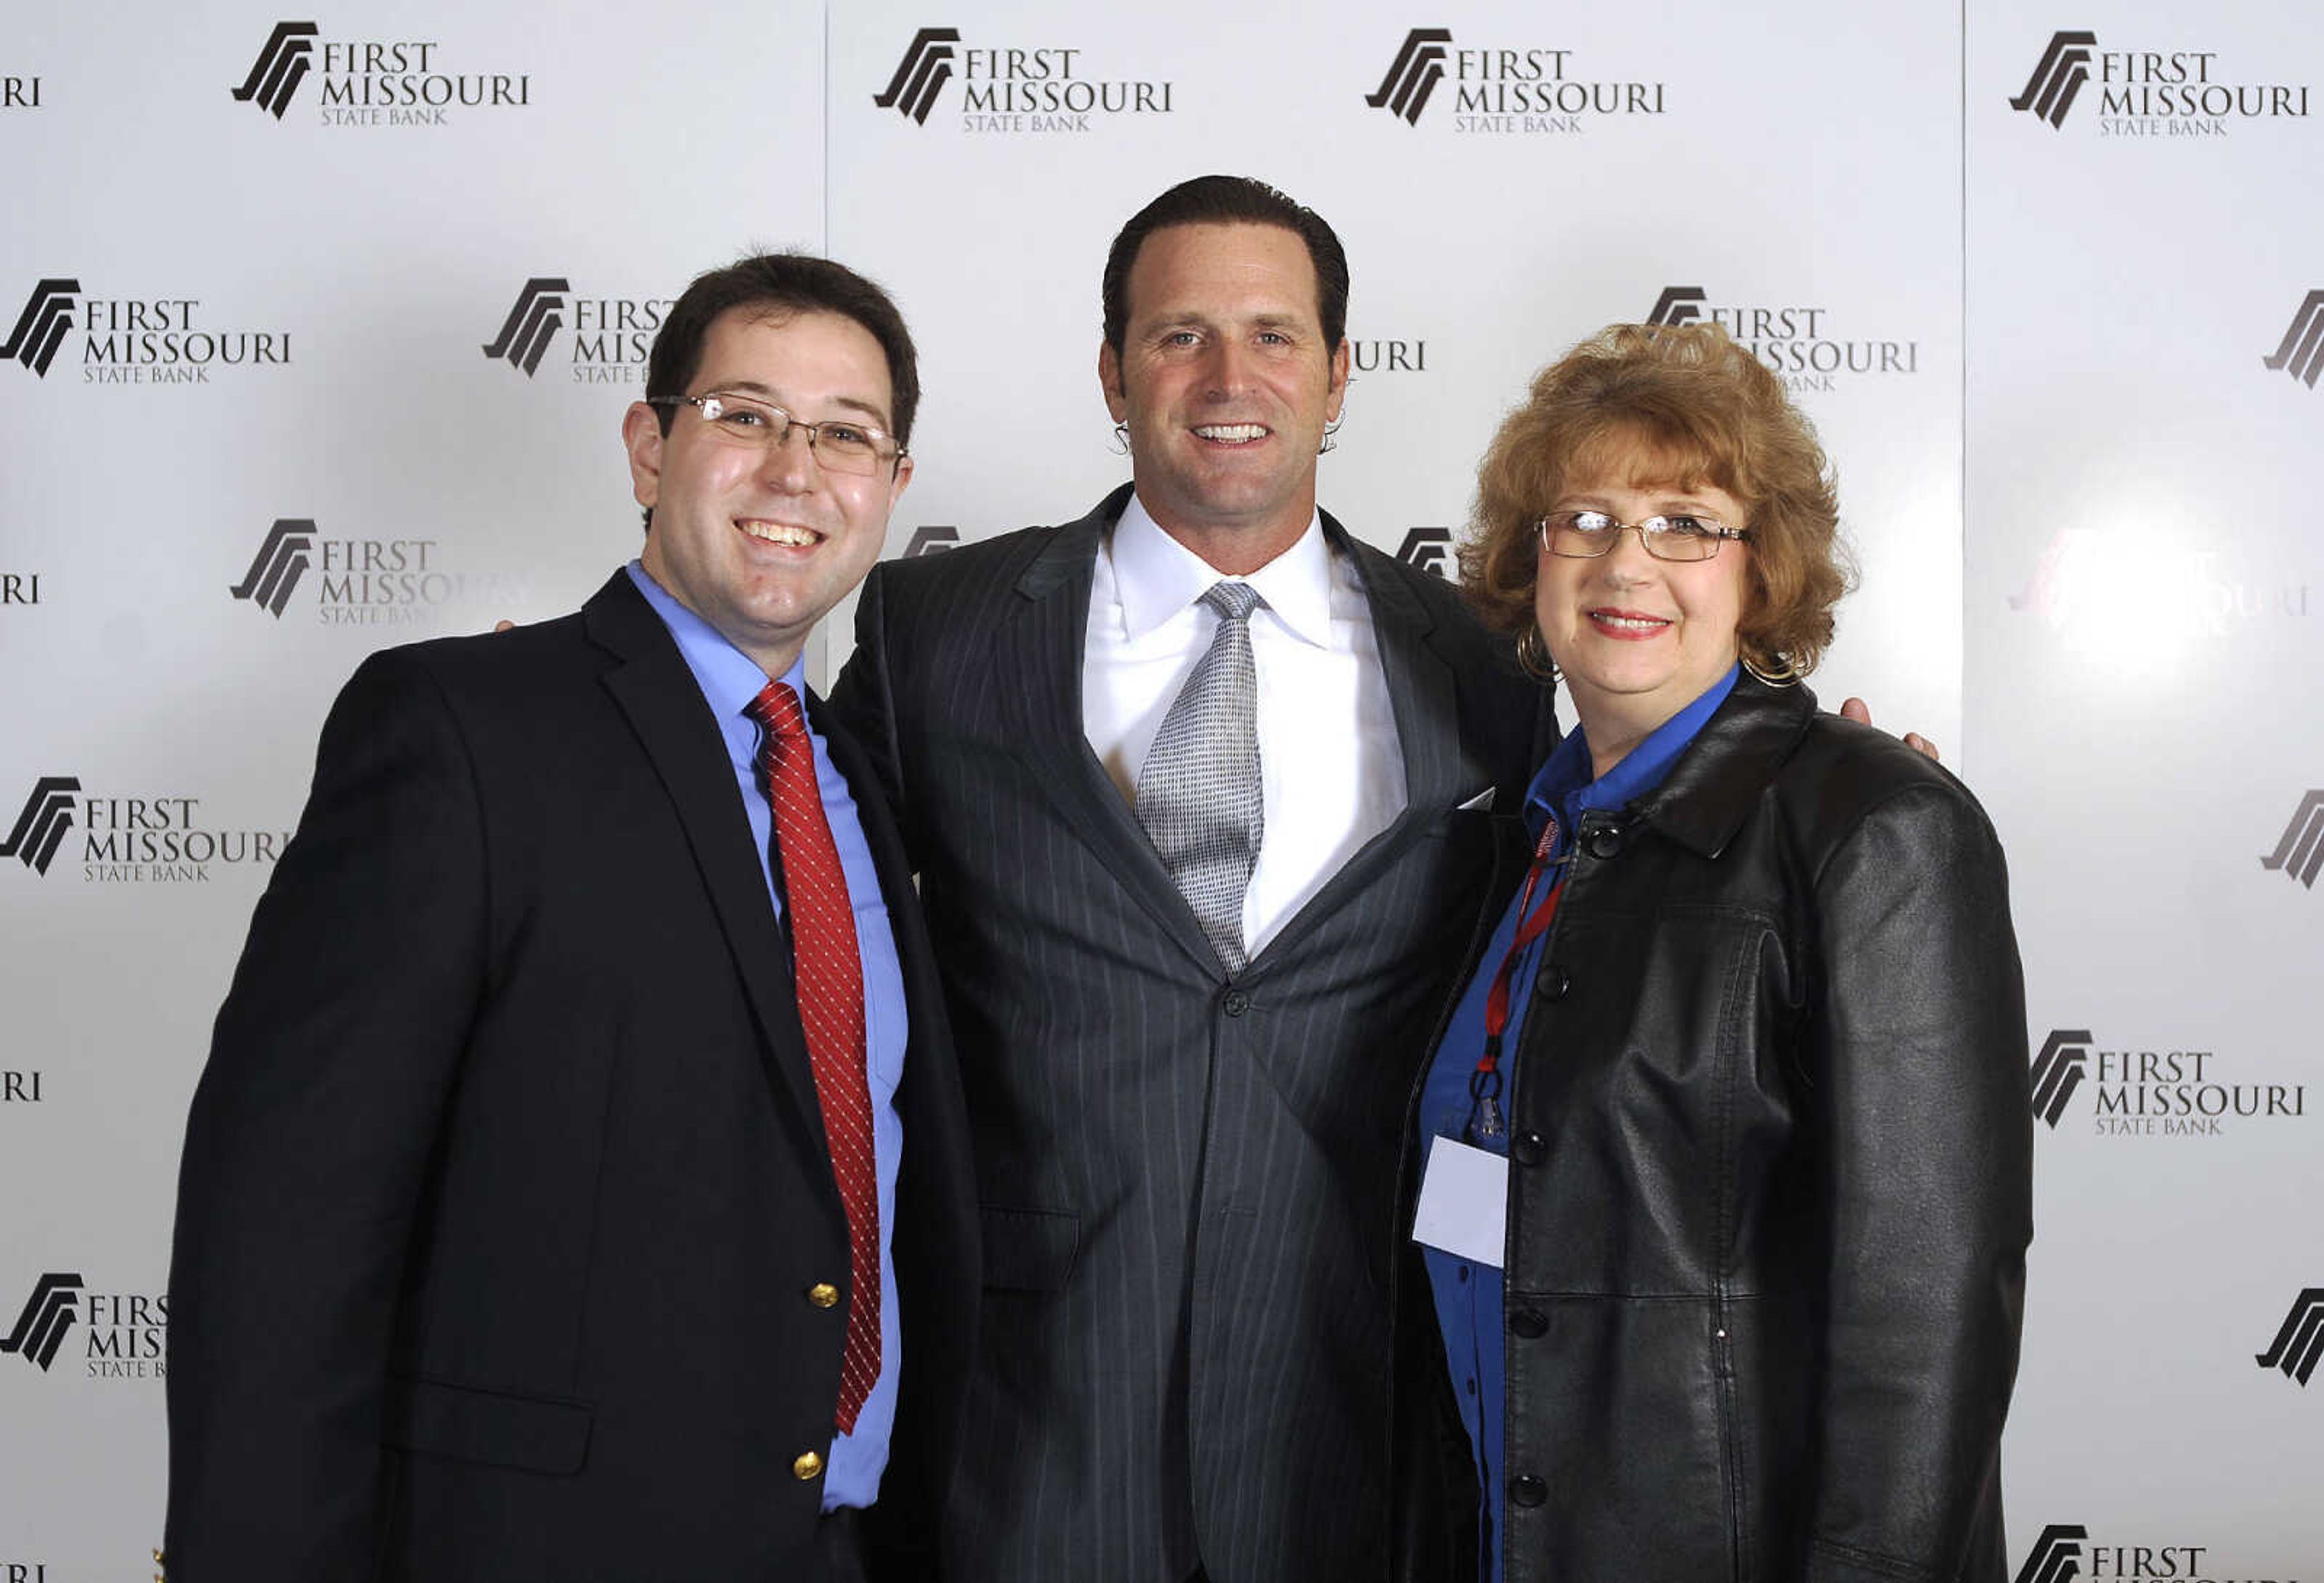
[
  {"x": 760, "y": 541},
  {"x": 1640, "y": 639},
  {"x": 1226, "y": 385}
]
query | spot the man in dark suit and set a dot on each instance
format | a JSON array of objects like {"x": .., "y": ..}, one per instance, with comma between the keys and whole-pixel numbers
[
  {"x": 578, "y": 1186},
  {"x": 1203, "y": 796}
]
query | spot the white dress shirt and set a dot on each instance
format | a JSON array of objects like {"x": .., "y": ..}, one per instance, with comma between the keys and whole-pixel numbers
[{"x": 1331, "y": 776}]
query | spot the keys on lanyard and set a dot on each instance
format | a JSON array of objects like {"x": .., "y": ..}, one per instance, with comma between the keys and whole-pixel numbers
[{"x": 1487, "y": 1124}]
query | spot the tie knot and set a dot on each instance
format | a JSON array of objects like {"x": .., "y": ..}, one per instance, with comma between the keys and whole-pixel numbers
[
  {"x": 1234, "y": 601},
  {"x": 776, "y": 711}
]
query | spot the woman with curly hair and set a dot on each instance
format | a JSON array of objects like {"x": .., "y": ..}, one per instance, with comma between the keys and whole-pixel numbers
[{"x": 1724, "y": 1154}]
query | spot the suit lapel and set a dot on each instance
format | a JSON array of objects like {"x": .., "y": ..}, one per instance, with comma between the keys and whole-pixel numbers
[
  {"x": 1041, "y": 641},
  {"x": 1437, "y": 772},
  {"x": 1438, "y": 775},
  {"x": 663, "y": 704}
]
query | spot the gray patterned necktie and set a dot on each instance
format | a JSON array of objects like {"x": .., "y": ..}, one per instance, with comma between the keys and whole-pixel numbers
[{"x": 1198, "y": 795}]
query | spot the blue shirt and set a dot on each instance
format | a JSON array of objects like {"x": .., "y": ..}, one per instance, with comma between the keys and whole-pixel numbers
[
  {"x": 729, "y": 680},
  {"x": 1469, "y": 1295}
]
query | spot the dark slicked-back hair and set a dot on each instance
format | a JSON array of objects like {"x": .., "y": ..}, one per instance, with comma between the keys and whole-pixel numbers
[
  {"x": 780, "y": 284},
  {"x": 1230, "y": 200}
]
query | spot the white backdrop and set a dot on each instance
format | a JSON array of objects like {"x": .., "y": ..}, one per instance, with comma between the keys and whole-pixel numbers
[{"x": 2036, "y": 341}]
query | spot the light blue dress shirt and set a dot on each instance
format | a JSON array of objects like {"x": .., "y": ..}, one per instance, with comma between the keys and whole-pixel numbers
[{"x": 729, "y": 680}]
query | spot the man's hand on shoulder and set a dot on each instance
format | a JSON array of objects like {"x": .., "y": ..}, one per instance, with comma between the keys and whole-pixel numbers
[{"x": 1856, "y": 709}]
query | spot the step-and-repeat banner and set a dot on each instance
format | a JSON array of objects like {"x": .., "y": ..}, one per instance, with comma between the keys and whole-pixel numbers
[{"x": 320, "y": 327}]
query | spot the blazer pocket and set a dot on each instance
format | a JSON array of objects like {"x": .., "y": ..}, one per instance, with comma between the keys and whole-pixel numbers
[
  {"x": 537, "y": 1434},
  {"x": 1029, "y": 1250}
]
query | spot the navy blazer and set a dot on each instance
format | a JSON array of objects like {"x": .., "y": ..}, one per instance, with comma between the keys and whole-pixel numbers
[{"x": 505, "y": 1187}]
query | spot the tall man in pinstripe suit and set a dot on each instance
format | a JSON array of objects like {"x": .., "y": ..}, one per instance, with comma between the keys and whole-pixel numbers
[{"x": 1188, "y": 1163}]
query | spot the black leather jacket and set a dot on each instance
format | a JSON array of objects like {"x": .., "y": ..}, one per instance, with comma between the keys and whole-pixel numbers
[{"x": 1770, "y": 1183}]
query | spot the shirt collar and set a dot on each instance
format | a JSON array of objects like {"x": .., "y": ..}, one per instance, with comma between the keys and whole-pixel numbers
[
  {"x": 1155, "y": 577},
  {"x": 1564, "y": 786},
  {"x": 728, "y": 678}
]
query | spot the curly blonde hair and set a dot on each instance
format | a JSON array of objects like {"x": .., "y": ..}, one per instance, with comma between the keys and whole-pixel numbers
[{"x": 1680, "y": 405}]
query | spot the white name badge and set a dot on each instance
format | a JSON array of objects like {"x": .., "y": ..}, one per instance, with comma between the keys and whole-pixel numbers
[{"x": 1464, "y": 1202}]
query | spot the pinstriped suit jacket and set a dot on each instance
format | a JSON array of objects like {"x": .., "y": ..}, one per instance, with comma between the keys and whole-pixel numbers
[{"x": 1187, "y": 1186}]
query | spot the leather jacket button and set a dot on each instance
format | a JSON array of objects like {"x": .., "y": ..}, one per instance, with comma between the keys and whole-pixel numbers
[
  {"x": 1237, "y": 1003},
  {"x": 1553, "y": 982},
  {"x": 1602, "y": 843},
  {"x": 1528, "y": 1324},
  {"x": 1526, "y": 1490},
  {"x": 1529, "y": 1148}
]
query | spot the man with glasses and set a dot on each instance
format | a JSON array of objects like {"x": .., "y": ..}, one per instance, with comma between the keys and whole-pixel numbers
[
  {"x": 1201, "y": 791},
  {"x": 580, "y": 1166}
]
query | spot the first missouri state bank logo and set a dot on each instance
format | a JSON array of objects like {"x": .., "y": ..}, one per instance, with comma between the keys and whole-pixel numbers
[
  {"x": 2065, "y": 1551},
  {"x": 371, "y": 82},
  {"x": 1806, "y": 346},
  {"x": 281, "y": 562},
  {"x": 1413, "y": 75},
  {"x": 142, "y": 838},
  {"x": 612, "y": 336},
  {"x": 46, "y": 1315},
  {"x": 2058, "y": 79},
  {"x": 2301, "y": 354},
  {"x": 538, "y": 315},
  {"x": 281, "y": 66},
  {"x": 2057, "y": 1556},
  {"x": 368, "y": 582},
  {"x": 920, "y": 75},
  {"x": 2149, "y": 92},
  {"x": 1512, "y": 89},
  {"x": 152, "y": 339},
  {"x": 2155, "y": 1093},
  {"x": 2300, "y": 853},
  {"x": 1013, "y": 87},
  {"x": 42, "y": 824},
  {"x": 2058, "y": 1071},
  {"x": 41, "y": 327},
  {"x": 1428, "y": 550},
  {"x": 123, "y": 1335},
  {"x": 2300, "y": 1343}
]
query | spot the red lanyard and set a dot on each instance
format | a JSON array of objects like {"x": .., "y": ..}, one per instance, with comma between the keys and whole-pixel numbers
[{"x": 1485, "y": 1084}]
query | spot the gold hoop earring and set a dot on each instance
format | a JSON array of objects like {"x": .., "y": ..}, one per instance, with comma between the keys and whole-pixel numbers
[
  {"x": 1785, "y": 675},
  {"x": 1534, "y": 657}
]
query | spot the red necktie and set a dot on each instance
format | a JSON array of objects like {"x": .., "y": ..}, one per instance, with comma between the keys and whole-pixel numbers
[{"x": 829, "y": 975}]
